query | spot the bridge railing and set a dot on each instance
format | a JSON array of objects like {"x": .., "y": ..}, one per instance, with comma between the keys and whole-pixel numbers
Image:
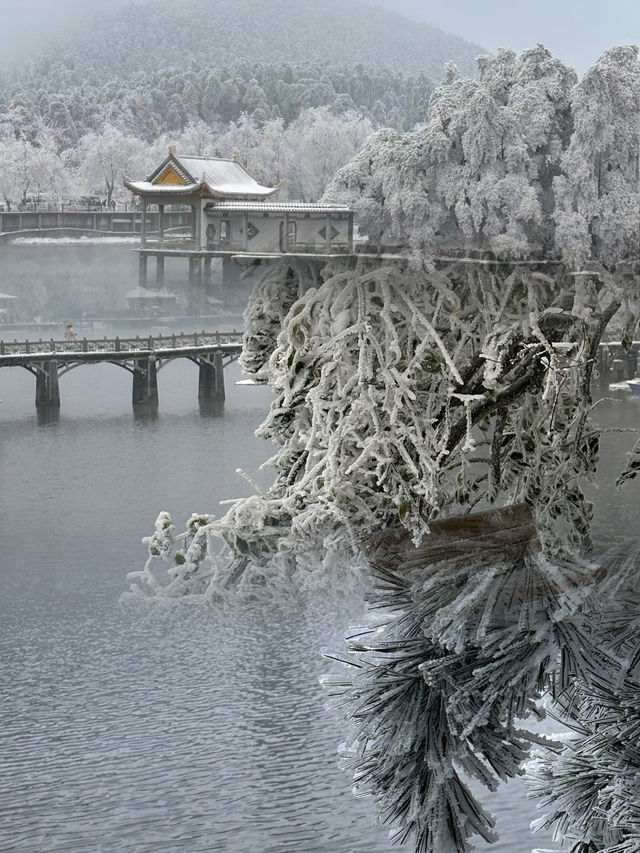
[{"x": 151, "y": 343}]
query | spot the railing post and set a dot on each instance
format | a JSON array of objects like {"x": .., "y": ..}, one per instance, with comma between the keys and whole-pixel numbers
[
  {"x": 85, "y": 345},
  {"x": 117, "y": 344},
  {"x": 195, "y": 339},
  {"x": 27, "y": 348}
]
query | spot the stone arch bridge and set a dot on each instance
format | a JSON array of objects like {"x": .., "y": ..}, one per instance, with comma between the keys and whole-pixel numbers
[{"x": 142, "y": 357}]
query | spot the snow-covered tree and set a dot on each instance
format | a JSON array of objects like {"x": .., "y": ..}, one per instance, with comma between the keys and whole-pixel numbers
[
  {"x": 103, "y": 158},
  {"x": 303, "y": 155},
  {"x": 478, "y": 174},
  {"x": 598, "y": 190},
  {"x": 414, "y": 389},
  {"x": 321, "y": 142},
  {"x": 51, "y": 169},
  {"x": 15, "y": 180},
  {"x": 31, "y": 169}
]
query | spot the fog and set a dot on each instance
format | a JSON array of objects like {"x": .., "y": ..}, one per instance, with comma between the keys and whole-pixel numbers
[
  {"x": 576, "y": 31},
  {"x": 27, "y": 24}
]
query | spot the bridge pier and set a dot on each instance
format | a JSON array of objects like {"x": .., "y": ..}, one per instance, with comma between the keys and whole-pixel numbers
[
  {"x": 159, "y": 270},
  {"x": 145, "y": 382},
  {"x": 47, "y": 387},
  {"x": 211, "y": 379}
]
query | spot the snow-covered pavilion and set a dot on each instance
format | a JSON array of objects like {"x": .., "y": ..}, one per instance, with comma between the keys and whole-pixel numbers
[{"x": 233, "y": 214}]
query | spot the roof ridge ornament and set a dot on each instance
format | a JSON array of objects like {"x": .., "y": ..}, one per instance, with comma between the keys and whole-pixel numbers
[{"x": 173, "y": 150}]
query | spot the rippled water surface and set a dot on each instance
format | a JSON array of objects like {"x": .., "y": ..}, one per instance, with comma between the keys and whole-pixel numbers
[{"x": 172, "y": 734}]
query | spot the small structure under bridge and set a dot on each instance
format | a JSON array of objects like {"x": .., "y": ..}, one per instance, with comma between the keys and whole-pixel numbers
[{"x": 142, "y": 357}]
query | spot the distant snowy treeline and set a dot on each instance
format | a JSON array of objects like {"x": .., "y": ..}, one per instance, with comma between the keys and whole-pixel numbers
[
  {"x": 152, "y": 102},
  {"x": 303, "y": 155}
]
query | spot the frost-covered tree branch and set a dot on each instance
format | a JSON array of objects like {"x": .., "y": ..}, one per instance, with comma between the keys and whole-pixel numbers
[{"x": 454, "y": 374}]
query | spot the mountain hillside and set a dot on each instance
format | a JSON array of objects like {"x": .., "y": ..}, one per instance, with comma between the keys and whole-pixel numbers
[{"x": 155, "y": 35}]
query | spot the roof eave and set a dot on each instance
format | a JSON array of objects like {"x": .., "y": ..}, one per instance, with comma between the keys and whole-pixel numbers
[
  {"x": 160, "y": 190},
  {"x": 242, "y": 196}
]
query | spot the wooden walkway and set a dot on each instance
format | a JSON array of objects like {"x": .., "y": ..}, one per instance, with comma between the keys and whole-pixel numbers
[{"x": 143, "y": 357}]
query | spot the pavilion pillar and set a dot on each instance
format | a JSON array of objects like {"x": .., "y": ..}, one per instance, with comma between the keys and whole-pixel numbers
[
  {"x": 161, "y": 221},
  {"x": 145, "y": 382},
  {"x": 142, "y": 269},
  {"x": 159, "y": 270},
  {"x": 143, "y": 224},
  {"x": 197, "y": 220},
  {"x": 47, "y": 389},
  {"x": 195, "y": 269},
  {"x": 286, "y": 232},
  {"x": 206, "y": 270}
]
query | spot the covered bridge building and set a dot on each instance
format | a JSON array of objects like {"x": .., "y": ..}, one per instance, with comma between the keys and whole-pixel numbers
[{"x": 233, "y": 214}]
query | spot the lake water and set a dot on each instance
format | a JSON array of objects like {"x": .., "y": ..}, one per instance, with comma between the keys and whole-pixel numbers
[{"x": 201, "y": 732}]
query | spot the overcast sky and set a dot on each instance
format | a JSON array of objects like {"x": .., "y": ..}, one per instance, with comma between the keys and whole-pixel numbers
[
  {"x": 577, "y": 31},
  {"x": 26, "y": 22}
]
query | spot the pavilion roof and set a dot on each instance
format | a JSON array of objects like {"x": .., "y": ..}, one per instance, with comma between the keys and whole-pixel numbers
[
  {"x": 208, "y": 177},
  {"x": 147, "y": 188}
]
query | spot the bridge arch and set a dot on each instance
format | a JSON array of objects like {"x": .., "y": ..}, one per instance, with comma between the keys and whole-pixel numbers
[{"x": 142, "y": 357}]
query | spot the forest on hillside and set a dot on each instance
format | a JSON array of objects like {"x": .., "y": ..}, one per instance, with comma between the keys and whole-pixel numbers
[
  {"x": 294, "y": 90},
  {"x": 165, "y": 101},
  {"x": 149, "y": 37},
  {"x": 150, "y": 68}
]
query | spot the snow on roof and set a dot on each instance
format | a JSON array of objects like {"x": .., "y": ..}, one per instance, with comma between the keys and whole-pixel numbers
[
  {"x": 224, "y": 177},
  {"x": 7, "y": 296},
  {"x": 146, "y": 187},
  {"x": 206, "y": 176},
  {"x": 277, "y": 207}
]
